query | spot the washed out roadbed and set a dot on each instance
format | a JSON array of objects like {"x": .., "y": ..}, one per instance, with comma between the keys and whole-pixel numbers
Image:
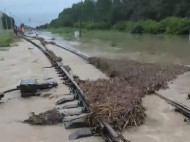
[{"x": 119, "y": 99}]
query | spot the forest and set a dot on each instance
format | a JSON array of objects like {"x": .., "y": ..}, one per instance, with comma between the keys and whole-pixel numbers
[{"x": 135, "y": 16}]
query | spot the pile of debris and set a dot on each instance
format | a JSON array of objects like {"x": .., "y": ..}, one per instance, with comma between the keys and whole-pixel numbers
[
  {"x": 50, "y": 117},
  {"x": 148, "y": 76},
  {"x": 43, "y": 41},
  {"x": 115, "y": 101},
  {"x": 119, "y": 100},
  {"x": 53, "y": 57}
]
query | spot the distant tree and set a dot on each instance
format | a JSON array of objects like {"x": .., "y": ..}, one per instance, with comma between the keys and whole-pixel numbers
[
  {"x": 7, "y": 20},
  {"x": 112, "y": 11}
]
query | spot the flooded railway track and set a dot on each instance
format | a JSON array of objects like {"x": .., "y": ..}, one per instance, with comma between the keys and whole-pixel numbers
[
  {"x": 101, "y": 127},
  {"x": 81, "y": 118}
]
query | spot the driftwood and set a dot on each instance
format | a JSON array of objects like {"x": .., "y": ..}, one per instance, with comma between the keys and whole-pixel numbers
[{"x": 115, "y": 101}]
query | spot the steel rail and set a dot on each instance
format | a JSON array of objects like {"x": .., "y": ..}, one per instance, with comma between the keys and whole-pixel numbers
[
  {"x": 66, "y": 47},
  {"x": 179, "y": 107}
]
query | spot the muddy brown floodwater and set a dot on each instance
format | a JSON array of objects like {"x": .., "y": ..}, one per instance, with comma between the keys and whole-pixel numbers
[
  {"x": 122, "y": 45},
  {"x": 162, "y": 124},
  {"x": 22, "y": 62}
]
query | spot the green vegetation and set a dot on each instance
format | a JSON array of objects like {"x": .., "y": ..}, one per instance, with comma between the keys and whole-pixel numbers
[
  {"x": 6, "y": 38},
  {"x": 170, "y": 25},
  {"x": 135, "y": 16}
]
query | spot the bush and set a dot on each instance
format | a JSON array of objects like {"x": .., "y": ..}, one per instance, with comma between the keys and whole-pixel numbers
[
  {"x": 91, "y": 26},
  {"x": 149, "y": 26},
  {"x": 120, "y": 26},
  {"x": 184, "y": 26},
  {"x": 83, "y": 25},
  {"x": 6, "y": 38},
  {"x": 138, "y": 29},
  {"x": 174, "y": 25},
  {"x": 170, "y": 25},
  {"x": 100, "y": 26}
]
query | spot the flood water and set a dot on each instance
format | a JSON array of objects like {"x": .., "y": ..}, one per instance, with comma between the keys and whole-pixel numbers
[
  {"x": 160, "y": 123},
  {"x": 117, "y": 45}
]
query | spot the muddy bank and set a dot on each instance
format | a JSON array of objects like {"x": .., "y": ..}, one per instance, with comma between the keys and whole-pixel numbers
[{"x": 119, "y": 100}]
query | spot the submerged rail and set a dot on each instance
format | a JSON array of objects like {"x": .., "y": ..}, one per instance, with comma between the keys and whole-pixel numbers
[
  {"x": 101, "y": 127},
  {"x": 179, "y": 107},
  {"x": 67, "y": 48}
]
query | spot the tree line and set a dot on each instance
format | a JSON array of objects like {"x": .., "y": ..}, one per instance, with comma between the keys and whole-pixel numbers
[
  {"x": 104, "y": 14},
  {"x": 7, "y": 21}
]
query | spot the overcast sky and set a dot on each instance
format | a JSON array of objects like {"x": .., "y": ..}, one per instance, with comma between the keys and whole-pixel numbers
[{"x": 40, "y": 11}]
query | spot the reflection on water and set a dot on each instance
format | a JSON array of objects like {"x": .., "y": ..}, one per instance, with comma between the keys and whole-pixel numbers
[{"x": 146, "y": 48}]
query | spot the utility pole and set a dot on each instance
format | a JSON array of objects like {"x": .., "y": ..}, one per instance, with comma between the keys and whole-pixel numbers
[
  {"x": 80, "y": 32},
  {"x": 11, "y": 21},
  {"x": 5, "y": 19},
  {"x": 30, "y": 23},
  {"x": 14, "y": 21}
]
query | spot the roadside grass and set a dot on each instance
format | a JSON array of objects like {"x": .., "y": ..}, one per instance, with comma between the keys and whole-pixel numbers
[{"x": 6, "y": 38}]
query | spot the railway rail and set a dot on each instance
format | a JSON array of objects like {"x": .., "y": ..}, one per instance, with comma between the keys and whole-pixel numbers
[
  {"x": 101, "y": 127},
  {"x": 179, "y": 107}
]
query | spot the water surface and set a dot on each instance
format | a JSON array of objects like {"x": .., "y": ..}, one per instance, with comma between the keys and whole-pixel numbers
[{"x": 145, "y": 47}]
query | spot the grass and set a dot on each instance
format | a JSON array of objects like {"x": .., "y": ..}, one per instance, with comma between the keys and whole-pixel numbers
[{"x": 6, "y": 38}]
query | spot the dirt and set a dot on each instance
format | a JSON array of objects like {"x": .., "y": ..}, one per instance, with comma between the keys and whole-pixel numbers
[{"x": 119, "y": 100}]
